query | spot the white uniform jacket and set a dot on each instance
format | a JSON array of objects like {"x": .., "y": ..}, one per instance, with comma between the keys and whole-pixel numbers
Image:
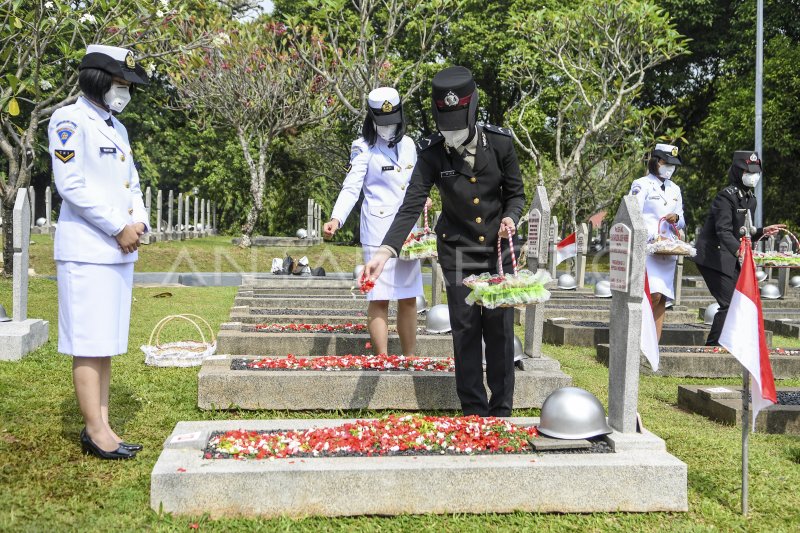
[
  {"x": 384, "y": 178},
  {"x": 654, "y": 204},
  {"x": 98, "y": 183}
]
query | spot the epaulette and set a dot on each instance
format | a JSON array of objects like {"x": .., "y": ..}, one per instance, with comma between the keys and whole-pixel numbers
[
  {"x": 732, "y": 190},
  {"x": 497, "y": 129},
  {"x": 432, "y": 140}
]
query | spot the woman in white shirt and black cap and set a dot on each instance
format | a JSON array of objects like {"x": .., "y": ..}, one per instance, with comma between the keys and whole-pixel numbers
[
  {"x": 381, "y": 162},
  {"x": 102, "y": 217}
]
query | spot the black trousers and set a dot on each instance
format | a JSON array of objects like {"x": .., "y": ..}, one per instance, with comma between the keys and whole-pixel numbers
[
  {"x": 721, "y": 286},
  {"x": 470, "y": 323}
]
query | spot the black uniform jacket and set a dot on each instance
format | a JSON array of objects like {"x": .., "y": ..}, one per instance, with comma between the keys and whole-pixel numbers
[
  {"x": 474, "y": 201},
  {"x": 719, "y": 239}
]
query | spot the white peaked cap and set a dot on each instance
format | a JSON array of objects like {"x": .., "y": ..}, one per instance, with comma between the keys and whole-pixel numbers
[
  {"x": 114, "y": 52},
  {"x": 380, "y": 95}
]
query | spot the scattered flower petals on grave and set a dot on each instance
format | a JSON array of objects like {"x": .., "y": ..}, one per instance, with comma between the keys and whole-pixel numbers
[
  {"x": 391, "y": 435},
  {"x": 312, "y": 328},
  {"x": 354, "y": 362}
]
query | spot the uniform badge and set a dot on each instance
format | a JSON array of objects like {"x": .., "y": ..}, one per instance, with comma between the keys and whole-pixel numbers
[
  {"x": 64, "y": 134},
  {"x": 388, "y": 167},
  {"x": 129, "y": 61},
  {"x": 108, "y": 150},
  {"x": 635, "y": 189},
  {"x": 387, "y": 106},
  {"x": 354, "y": 152},
  {"x": 65, "y": 155},
  {"x": 451, "y": 99},
  {"x": 409, "y": 167},
  {"x": 447, "y": 173},
  {"x": 753, "y": 157},
  {"x": 674, "y": 151}
]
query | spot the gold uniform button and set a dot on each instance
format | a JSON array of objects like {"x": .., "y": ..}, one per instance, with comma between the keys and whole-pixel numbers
[
  {"x": 122, "y": 157},
  {"x": 481, "y": 238},
  {"x": 473, "y": 179},
  {"x": 476, "y": 201},
  {"x": 444, "y": 235},
  {"x": 402, "y": 187},
  {"x": 130, "y": 211},
  {"x": 127, "y": 185},
  {"x": 381, "y": 212},
  {"x": 479, "y": 220}
]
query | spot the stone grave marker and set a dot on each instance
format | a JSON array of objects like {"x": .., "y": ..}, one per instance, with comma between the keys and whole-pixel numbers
[
  {"x": 48, "y": 206},
  {"x": 553, "y": 243},
  {"x": 179, "y": 226},
  {"x": 32, "y": 206},
  {"x": 170, "y": 203},
  {"x": 196, "y": 208},
  {"x": 21, "y": 335},
  {"x": 627, "y": 254},
  {"x": 203, "y": 215},
  {"x": 187, "y": 204},
  {"x": 785, "y": 246},
  {"x": 159, "y": 212},
  {"x": 310, "y": 217},
  {"x": 581, "y": 242},
  {"x": 539, "y": 214}
]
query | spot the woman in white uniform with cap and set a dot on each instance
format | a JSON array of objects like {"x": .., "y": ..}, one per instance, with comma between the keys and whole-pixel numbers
[
  {"x": 381, "y": 161},
  {"x": 102, "y": 217},
  {"x": 660, "y": 198}
]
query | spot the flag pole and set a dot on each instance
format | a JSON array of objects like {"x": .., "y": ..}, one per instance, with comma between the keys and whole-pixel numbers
[{"x": 746, "y": 231}]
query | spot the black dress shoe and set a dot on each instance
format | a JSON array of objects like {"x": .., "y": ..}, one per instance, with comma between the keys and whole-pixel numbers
[
  {"x": 90, "y": 448},
  {"x": 131, "y": 446}
]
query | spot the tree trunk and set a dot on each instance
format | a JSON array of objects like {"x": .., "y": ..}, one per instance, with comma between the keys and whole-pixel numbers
[
  {"x": 258, "y": 183},
  {"x": 8, "y": 241}
]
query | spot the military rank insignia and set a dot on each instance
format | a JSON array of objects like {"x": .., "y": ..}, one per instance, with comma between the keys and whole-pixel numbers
[{"x": 65, "y": 155}]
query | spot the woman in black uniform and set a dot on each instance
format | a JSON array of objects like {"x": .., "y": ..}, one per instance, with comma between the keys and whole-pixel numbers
[{"x": 718, "y": 243}]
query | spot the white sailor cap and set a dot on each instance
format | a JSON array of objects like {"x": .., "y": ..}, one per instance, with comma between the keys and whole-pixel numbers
[
  {"x": 115, "y": 61},
  {"x": 668, "y": 153},
  {"x": 384, "y": 104}
]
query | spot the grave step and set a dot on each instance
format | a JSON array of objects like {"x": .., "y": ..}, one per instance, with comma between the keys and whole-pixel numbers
[
  {"x": 293, "y": 282},
  {"x": 643, "y": 475},
  {"x": 724, "y": 404},
  {"x": 306, "y": 303},
  {"x": 601, "y": 315},
  {"x": 787, "y": 327},
  {"x": 586, "y": 333},
  {"x": 220, "y": 387},
  {"x": 237, "y": 342},
  {"x": 674, "y": 361},
  {"x": 352, "y": 318}
]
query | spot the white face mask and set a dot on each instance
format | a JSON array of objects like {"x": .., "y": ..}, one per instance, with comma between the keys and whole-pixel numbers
[
  {"x": 751, "y": 179},
  {"x": 455, "y": 138},
  {"x": 667, "y": 171},
  {"x": 386, "y": 133},
  {"x": 117, "y": 97}
]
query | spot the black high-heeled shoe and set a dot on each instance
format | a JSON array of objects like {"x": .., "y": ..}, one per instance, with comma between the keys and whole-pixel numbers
[
  {"x": 131, "y": 446},
  {"x": 90, "y": 448}
]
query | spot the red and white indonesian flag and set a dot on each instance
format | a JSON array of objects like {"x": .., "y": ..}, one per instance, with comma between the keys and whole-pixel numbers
[
  {"x": 649, "y": 332},
  {"x": 566, "y": 249},
  {"x": 743, "y": 333}
]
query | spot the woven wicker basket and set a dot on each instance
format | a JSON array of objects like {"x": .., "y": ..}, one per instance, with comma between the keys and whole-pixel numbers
[{"x": 179, "y": 353}]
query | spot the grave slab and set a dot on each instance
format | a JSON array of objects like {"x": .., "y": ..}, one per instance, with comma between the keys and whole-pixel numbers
[
  {"x": 18, "y": 339},
  {"x": 674, "y": 361},
  {"x": 305, "y": 303},
  {"x": 644, "y": 476},
  {"x": 285, "y": 242},
  {"x": 585, "y": 333},
  {"x": 236, "y": 342},
  {"x": 247, "y": 315},
  {"x": 220, "y": 387},
  {"x": 723, "y": 403}
]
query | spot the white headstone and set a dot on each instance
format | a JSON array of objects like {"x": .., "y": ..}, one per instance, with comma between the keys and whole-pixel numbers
[
  {"x": 196, "y": 208},
  {"x": 537, "y": 257},
  {"x": 203, "y": 213},
  {"x": 148, "y": 205},
  {"x": 170, "y": 204},
  {"x": 159, "y": 211},
  {"x": 187, "y": 204},
  {"x": 21, "y": 241},
  {"x": 553, "y": 243},
  {"x": 628, "y": 236},
  {"x": 48, "y": 206},
  {"x": 581, "y": 243},
  {"x": 179, "y": 225},
  {"x": 32, "y": 205}
]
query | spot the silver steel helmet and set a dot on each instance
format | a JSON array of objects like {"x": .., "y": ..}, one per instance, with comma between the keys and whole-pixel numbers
[
  {"x": 422, "y": 305},
  {"x": 301, "y": 233},
  {"x": 573, "y": 413},
  {"x": 794, "y": 281},
  {"x": 567, "y": 281},
  {"x": 602, "y": 289},
  {"x": 438, "y": 319},
  {"x": 3, "y": 315},
  {"x": 357, "y": 271},
  {"x": 40, "y": 222},
  {"x": 761, "y": 275},
  {"x": 708, "y": 314},
  {"x": 519, "y": 351},
  {"x": 770, "y": 291}
]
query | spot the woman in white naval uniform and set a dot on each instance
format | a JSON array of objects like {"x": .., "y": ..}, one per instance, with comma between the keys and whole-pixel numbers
[
  {"x": 659, "y": 197},
  {"x": 102, "y": 217},
  {"x": 381, "y": 161}
]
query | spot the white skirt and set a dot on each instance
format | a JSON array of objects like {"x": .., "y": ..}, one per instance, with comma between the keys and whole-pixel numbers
[
  {"x": 94, "y": 308},
  {"x": 399, "y": 279},
  {"x": 661, "y": 274}
]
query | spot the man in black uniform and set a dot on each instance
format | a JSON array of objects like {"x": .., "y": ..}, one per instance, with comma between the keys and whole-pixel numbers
[
  {"x": 718, "y": 243},
  {"x": 476, "y": 170}
]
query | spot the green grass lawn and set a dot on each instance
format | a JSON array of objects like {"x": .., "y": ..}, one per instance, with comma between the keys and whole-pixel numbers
[{"x": 46, "y": 484}]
